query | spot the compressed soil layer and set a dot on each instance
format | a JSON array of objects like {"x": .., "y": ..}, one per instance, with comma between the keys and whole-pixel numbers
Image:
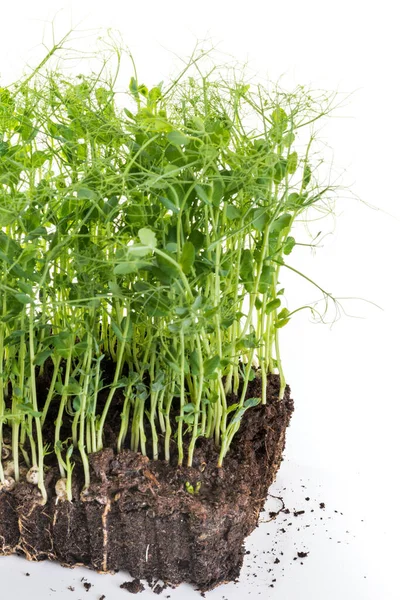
[{"x": 138, "y": 515}]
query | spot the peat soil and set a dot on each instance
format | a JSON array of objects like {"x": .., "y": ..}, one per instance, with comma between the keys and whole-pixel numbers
[{"x": 139, "y": 517}]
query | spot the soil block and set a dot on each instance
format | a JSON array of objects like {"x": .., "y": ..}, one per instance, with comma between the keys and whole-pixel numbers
[{"x": 139, "y": 516}]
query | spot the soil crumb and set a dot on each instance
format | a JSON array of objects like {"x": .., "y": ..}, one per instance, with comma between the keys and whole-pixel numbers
[{"x": 134, "y": 587}]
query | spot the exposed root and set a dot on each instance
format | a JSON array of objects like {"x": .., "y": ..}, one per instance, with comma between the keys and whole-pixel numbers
[{"x": 105, "y": 534}]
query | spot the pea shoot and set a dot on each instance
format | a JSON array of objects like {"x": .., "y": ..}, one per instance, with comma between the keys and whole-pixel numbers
[{"x": 150, "y": 237}]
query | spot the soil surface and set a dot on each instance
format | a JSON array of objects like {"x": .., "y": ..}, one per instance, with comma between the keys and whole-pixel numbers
[{"x": 138, "y": 515}]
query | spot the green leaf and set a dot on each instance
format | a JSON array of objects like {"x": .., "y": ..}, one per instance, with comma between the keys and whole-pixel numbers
[
  {"x": 232, "y": 212},
  {"x": 295, "y": 200},
  {"x": 133, "y": 86},
  {"x": 202, "y": 194},
  {"x": 86, "y": 193},
  {"x": 266, "y": 278},
  {"x": 280, "y": 170},
  {"x": 282, "y": 318},
  {"x": 289, "y": 245},
  {"x": 251, "y": 402},
  {"x": 23, "y": 298},
  {"x": 27, "y": 407},
  {"x": 281, "y": 223},
  {"x": 197, "y": 238},
  {"x": 279, "y": 117},
  {"x": 73, "y": 388},
  {"x": 39, "y": 158},
  {"x": 41, "y": 357},
  {"x": 194, "y": 361},
  {"x": 187, "y": 257},
  {"x": 168, "y": 204},
  {"x": 246, "y": 270},
  {"x": 259, "y": 219},
  {"x": 174, "y": 366},
  {"x": 237, "y": 417},
  {"x": 158, "y": 384},
  {"x": 148, "y": 238},
  {"x": 292, "y": 160},
  {"x": 129, "y": 114},
  {"x": 177, "y": 138},
  {"x": 211, "y": 364},
  {"x": 125, "y": 268},
  {"x": 155, "y": 94},
  {"x": 118, "y": 332},
  {"x": 114, "y": 288},
  {"x": 258, "y": 304},
  {"x": 218, "y": 189},
  {"x": 273, "y": 305},
  {"x": 288, "y": 139},
  {"x": 306, "y": 175}
]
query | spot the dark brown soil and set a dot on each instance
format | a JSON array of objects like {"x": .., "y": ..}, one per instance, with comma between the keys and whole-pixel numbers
[
  {"x": 138, "y": 515},
  {"x": 134, "y": 587}
]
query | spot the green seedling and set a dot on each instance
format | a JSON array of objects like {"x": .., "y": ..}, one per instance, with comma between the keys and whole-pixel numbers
[
  {"x": 151, "y": 237},
  {"x": 193, "y": 490}
]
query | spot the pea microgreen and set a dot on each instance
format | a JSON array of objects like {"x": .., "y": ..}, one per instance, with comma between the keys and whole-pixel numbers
[{"x": 151, "y": 237}]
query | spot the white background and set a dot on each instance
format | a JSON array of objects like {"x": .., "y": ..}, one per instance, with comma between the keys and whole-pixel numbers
[{"x": 343, "y": 441}]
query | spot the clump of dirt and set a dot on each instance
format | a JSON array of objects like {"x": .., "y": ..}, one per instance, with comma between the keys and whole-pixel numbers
[
  {"x": 134, "y": 587},
  {"x": 138, "y": 515}
]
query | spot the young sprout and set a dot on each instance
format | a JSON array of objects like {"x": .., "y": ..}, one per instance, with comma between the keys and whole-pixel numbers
[{"x": 142, "y": 249}]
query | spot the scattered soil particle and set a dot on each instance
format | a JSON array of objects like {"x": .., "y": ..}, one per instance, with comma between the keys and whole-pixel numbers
[
  {"x": 87, "y": 586},
  {"x": 307, "y": 499},
  {"x": 297, "y": 513},
  {"x": 302, "y": 554},
  {"x": 71, "y": 589},
  {"x": 134, "y": 587},
  {"x": 102, "y": 597},
  {"x": 322, "y": 505},
  {"x": 276, "y": 561},
  {"x": 27, "y": 574}
]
